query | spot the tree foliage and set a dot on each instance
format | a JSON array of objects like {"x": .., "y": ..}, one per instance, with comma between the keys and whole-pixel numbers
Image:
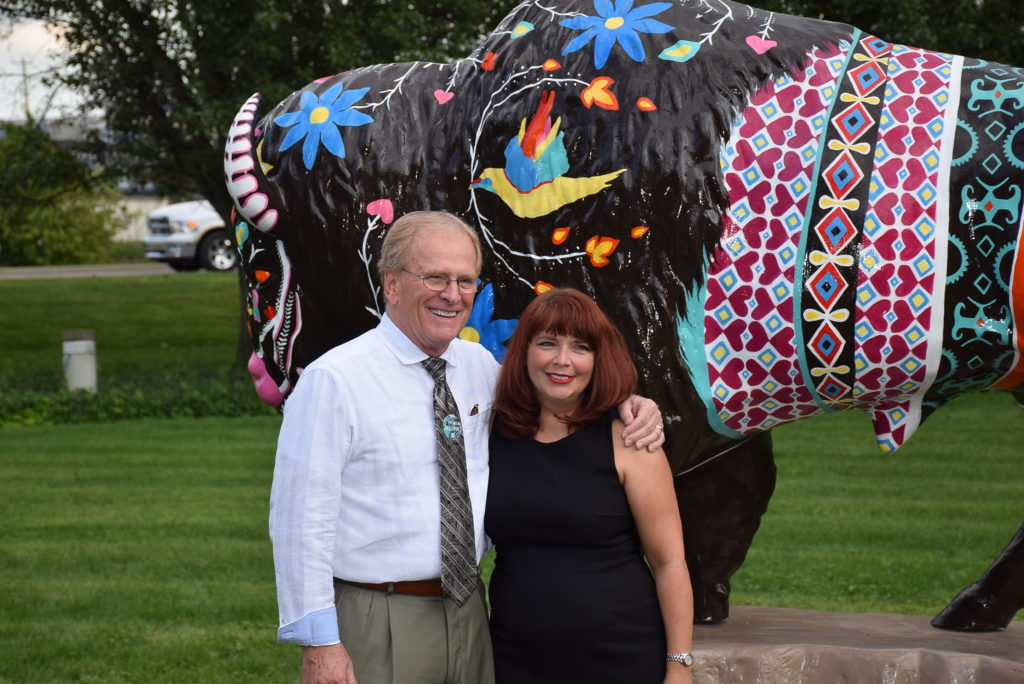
[
  {"x": 170, "y": 74},
  {"x": 55, "y": 209},
  {"x": 987, "y": 29}
]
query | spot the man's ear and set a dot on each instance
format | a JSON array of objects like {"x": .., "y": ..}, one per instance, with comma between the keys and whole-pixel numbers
[{"x": 390, "y": 281}]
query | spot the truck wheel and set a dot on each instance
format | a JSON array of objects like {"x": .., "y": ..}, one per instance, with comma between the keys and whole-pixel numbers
[{"x": 217, "y": 252}]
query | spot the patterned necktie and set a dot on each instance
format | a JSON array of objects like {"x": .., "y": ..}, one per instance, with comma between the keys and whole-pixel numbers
[{"x": 458, "y": 547}]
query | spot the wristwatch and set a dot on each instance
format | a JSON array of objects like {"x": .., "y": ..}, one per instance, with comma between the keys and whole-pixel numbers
[{"x": 684, "y": 659}]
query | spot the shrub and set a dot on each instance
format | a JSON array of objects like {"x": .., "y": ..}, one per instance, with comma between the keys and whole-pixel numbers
[
  {"x": 55, "y": 209},
  {"x": 229, "y": 394}
]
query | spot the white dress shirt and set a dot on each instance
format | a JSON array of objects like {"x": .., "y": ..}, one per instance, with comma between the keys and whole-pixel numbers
[{"x": 356, "y": 482}]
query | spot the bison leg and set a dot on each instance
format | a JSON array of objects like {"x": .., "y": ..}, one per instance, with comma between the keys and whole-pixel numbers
[
  {"x": 992, "y": 601},
  {"x": 721, "y": 503}
]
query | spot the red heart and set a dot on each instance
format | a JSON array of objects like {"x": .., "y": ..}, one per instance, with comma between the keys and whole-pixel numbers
[
  {"x": 760, "y": 45},
  {"x": 382, "y": 208}
]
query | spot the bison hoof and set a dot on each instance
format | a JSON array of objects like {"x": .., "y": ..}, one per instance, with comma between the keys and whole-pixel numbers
[
  {"x": 974, "y": 610},
  {"x": 710, "y": 608}
]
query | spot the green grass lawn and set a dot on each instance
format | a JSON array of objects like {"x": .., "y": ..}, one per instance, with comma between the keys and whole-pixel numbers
[
  {"x": 853, "y": 529},
  {"x": 165, "y": 347},
  {"x": 146, "y": 325},
  {"x": 138, "y": 550}
]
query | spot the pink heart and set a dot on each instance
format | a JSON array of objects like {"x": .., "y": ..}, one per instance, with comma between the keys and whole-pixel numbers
[
  {"x": 760, "y": 45},
  {"x": 382, "y": 208},
  {"x": 442, "y": 96}
]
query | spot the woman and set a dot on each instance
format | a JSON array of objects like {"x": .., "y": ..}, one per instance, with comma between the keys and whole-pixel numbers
[{"x": 572, "y": 512}]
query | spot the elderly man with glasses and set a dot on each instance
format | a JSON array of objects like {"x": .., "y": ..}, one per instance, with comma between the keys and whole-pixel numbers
[{"x": 376, "y": 511}]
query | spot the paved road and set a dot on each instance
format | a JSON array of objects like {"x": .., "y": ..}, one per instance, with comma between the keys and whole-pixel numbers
[{"x": 37, "y": 272}]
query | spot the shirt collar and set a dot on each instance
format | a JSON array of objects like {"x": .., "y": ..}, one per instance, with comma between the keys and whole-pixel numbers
[{"x": 404, "y": 349}]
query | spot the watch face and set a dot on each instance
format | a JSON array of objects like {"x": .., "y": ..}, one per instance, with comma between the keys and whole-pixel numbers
[{"x": 687, "y": 659}]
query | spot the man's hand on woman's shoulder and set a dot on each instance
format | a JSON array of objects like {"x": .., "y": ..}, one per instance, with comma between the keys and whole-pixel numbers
[{"x": 642, "y": 418}]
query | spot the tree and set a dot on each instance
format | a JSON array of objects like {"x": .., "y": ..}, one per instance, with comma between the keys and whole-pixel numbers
[
  {"x": 170, "y": 74},
  {"x": 988, "y": 29},
  {"x": 55, "y": 209}
]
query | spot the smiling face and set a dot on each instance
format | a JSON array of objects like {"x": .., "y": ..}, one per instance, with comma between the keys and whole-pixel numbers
[
  {"x": 559, "y": 367},
  {"x": 432, "y": 319}
]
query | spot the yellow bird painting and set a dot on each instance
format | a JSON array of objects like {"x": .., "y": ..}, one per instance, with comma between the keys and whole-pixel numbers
[{"x": 533, "y": 182}]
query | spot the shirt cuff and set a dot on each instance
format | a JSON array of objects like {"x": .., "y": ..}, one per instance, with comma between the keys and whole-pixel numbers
[{"x": 319, "y": 628}]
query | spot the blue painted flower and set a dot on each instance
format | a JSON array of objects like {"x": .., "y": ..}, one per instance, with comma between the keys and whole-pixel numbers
[
  {"x": 480, "y": 328},
  {"x": 318, "y": 120},
  {"x": 619, "y": 23}
]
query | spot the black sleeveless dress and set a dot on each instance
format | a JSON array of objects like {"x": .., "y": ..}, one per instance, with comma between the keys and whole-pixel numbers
[{"x": 572, "y": 599}]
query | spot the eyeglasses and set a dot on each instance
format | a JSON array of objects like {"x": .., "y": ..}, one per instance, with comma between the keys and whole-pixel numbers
[{"x": 439, "y": 283}]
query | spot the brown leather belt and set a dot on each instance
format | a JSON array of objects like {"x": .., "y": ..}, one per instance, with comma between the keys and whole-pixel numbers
[{"x": 411, "y": 588}]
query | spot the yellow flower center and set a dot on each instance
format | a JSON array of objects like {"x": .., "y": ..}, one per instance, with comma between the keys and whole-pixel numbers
[
  {"x": 319, "y": 115},
  {"x": 469, "y": 334},
  {"x": 613, "y": 23}
]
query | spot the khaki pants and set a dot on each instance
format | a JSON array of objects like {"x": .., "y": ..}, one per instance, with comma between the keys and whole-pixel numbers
[{"x": 397, "y": 639}]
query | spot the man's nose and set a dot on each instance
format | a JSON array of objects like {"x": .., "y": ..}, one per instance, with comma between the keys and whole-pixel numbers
[{"x": 451, "y": 290}]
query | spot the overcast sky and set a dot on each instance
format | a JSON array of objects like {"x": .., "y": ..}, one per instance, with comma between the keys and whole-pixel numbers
[{"x": 29, "y": 45}]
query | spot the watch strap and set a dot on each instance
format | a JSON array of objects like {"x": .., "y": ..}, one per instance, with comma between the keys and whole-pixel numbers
[{"x": 684, "y": 659}]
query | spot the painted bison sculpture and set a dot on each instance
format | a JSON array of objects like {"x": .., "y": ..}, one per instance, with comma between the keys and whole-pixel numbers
[{"x": 786, "y": 216}]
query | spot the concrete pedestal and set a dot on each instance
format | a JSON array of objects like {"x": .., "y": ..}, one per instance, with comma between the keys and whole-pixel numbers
[{"x": 787, "y": 646}]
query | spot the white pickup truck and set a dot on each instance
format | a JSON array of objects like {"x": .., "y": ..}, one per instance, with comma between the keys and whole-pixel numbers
[{"x": 189, "y": 236}]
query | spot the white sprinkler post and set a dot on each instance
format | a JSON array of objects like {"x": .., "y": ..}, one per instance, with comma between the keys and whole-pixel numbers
[{"x": 80, "y": 359}]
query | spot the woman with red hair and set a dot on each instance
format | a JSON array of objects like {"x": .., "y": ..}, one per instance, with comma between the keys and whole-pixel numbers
[{"x": 573, "y": 512}]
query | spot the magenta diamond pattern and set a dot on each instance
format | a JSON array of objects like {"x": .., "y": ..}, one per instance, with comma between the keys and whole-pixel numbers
[{"x": 754, "y": 376}]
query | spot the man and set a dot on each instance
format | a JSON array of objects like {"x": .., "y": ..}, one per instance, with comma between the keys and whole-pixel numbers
[{"x": 362, "y": 515}]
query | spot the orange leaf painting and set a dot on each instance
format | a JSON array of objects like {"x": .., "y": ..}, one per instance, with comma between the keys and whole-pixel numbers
[
  {"x": 644, "y": 104},
  {"x": 638, "y": 232},
  {"x": 558, "y": 235},
  {"x": 551, "y": 65},
  {"x": 261, "y": 276},
  {"x": 541, "y": 287},
  {"x": 489, "y": 61},
  {"x": 597, "y": 93},
  {"x": 598, "y": 249}
]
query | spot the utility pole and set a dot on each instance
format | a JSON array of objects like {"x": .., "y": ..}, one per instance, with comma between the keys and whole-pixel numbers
[{"x": 24, "y": 89}]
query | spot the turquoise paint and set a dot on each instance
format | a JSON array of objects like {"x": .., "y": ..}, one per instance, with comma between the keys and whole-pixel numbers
[{"x": 690, "y": 333}]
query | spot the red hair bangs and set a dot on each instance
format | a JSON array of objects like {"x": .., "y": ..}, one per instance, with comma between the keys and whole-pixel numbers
[{"x": 569, "y": 312}]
